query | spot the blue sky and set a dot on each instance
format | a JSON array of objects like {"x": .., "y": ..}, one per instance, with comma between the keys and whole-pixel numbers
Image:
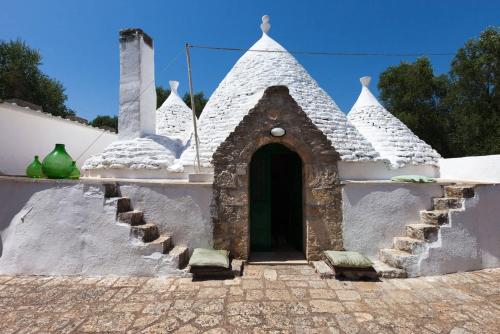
[{"x": 79, "y": 39}]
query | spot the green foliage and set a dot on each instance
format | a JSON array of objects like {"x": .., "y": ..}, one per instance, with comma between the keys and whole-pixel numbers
[
  {"x": 161, "y": 95},
  {"x": 457, "y": 113},
  {"x": 199, "y": 102},
  {"x": 105, "y": 121},
  {"x": 474, "y": 97},
  {"x": 21, "y": 77}
]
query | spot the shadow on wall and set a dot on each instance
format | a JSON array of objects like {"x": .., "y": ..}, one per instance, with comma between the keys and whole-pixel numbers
[{"x": 14, "y": 196}]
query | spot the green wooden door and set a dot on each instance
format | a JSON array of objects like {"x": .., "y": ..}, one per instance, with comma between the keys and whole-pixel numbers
[
  {"x": 275, "y": 199},
  {"x": 260, "y": 202}
]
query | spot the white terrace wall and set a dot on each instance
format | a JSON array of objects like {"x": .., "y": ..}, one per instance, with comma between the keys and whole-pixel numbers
[
  {"x": 484, "y": 168},
  {"x": 380, "y": 170},
  {"x": 25, "y": 133},
  {"x": 375, "y": 213},
  {"x": 471, "y": 240},
  {"x": 65, "y": 227}
]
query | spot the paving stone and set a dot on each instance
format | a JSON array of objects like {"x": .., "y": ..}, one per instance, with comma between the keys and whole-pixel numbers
[{"x": 297, "y": 301}]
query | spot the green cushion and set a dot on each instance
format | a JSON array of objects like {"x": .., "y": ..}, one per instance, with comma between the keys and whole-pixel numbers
[
  {"x": 203, "y": 257},
  {"x": 348, "y": 259},
  {"x": 413, "y": 179}
]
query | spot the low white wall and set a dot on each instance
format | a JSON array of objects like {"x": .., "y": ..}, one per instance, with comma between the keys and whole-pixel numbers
[
  {"x": 471, "y": 240},
  {"x": 379, "y": 170},
  {"x": 66, "y": 227},
  {"x": 479, "y": 169},
  {"x": 25, "y": 133},
  {"x": 373, "y": 214}
]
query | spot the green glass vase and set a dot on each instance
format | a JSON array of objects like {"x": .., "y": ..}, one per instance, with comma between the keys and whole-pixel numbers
[
  {"x": 58, "y": 164},
  {"x": 34, "y": 169},
  {"x": 75, "y": 172}
]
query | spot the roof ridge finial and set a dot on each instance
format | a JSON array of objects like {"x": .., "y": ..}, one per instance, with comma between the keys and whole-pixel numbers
[
  {"x": 265, "y": 26},
  {"x": 365, "y": 81},
  {"x": 173, "y": 86}
]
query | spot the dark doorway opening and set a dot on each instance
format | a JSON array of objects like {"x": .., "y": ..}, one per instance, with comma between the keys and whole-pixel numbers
[{"x": 276, "y": 200}]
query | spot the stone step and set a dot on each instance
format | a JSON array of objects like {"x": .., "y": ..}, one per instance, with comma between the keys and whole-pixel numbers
[
  {"x": 397, "y": 258},
  {"x": 424, "y": 232},
  {"x": 162, "y": 245},
  {"x": 323, "y": 269},
  {"x": 458, "y": 191},
  {"x": 434, "y": 217},
  {"x": 133, "y": 218},
  {"x": 181, "y": 254},
  {"x": 111, "y": 190},
  {"x": 410, "y": 245},
  {"x": 386, "y": 271},
  {"x": 145, "y": 232},
  {"x": 123, "y": 205},
  {"x": 447, "y": 203}
]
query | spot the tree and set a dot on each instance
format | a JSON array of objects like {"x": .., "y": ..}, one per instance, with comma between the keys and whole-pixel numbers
[
  {"x": 199, "y": 102},
  {"x": 21, "y": 77},
  {"x": 416, "y": 96},
  {"x": 474, "y": 97},
  {"x": 106, "y": 122},
  {"x": 199, "y": 99},
  {"x": 161, "y": 95}
]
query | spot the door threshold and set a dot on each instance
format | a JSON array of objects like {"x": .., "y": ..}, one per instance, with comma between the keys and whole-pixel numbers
[{"x": 277, "y": 258}]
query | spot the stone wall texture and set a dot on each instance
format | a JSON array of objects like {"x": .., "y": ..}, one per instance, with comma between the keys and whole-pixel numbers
[{"x": 322, "y": 207}]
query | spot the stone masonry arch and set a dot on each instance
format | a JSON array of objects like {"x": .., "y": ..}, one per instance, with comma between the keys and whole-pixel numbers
[{"x": 322, "y": 199}]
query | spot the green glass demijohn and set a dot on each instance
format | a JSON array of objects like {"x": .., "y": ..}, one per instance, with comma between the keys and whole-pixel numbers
[
  {"x": 75, "y": 172},
  {"x": 34, "y": 169},
  {"x": 58, "y": 164}
]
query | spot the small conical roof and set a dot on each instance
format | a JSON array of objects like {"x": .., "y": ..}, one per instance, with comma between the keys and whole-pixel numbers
[
  {"x": 174, "y": 118},
  {"x": 390, "y": 137},
  {"x": 244, "y": 85}
]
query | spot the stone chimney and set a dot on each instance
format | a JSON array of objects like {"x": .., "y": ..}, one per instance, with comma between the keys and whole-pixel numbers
[{"x": 137, "y": 85}]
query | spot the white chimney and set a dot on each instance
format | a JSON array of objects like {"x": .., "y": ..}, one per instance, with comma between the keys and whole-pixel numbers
[{"x": 137, "y": 85}]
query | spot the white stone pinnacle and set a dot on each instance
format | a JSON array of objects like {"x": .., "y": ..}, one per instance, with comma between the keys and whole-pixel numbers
[
  {"x": 265, "y": 26},
  {"x": 173, "y": 86},
  {"x": 365, "y": 81}
]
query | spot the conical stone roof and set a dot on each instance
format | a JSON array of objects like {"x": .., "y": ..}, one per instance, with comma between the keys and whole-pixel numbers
[
  {"x": 390, "y": 137},
  {"x": 244, "y": 85},
  {"x": 174, "y": 118}
]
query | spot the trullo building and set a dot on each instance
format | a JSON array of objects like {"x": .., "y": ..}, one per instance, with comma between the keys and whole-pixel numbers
[{"x": 281, "y": 170}]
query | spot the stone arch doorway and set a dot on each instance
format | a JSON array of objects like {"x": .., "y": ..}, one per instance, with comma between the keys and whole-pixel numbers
[
  {"x": 275, "y": 205},
  {"x": 321, "y": 192}
]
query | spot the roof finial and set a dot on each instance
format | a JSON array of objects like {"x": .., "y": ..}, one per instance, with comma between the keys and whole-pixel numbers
[
  {"x": 365, "y": 81},
  {"x": 265, "y": 26},
  {"x": 173, "y": 86}
]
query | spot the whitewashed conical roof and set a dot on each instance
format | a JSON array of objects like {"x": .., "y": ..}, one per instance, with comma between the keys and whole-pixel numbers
[
  {"x": 390, "y": 137},
  {"x": 244, "y": 85},
  {"x": 174, "y": 118}
]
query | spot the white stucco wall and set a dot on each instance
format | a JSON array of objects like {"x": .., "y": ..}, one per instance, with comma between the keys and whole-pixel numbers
[
  {"x": 66, "y": 227},
  {"x": 471, "y": 240},
  {"x": 479, "y": 169},
  {"x": 375, "y": 213},
  {"x": 25, "y": 133},
  {"x": 380, "y": 170}
]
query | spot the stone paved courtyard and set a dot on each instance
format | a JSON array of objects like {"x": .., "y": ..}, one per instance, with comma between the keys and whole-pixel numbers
[{"x": 277, "y": 299}]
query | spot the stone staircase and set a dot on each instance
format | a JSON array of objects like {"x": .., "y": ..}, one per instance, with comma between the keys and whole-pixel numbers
[
  {"x": 403, "y": 258},
  {"x": 148, "y": 237}
]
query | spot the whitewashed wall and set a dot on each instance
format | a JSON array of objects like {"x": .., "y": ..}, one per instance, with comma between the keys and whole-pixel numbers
[
  {"x": 64, "y": 227},
  {"x": 484, "y": 168},
  {"x": 379, "y": 170},
  {"x": 471, "y": 240},
  {"x": 25, "y": 133},
  {"x": 373, "y": 214}
]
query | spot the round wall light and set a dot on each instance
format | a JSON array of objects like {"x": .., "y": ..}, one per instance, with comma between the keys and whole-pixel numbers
[{"x": 278, "y": 132}]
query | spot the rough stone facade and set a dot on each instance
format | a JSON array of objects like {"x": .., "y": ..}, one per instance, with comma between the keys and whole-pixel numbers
[{"x": 322, "y": 215}]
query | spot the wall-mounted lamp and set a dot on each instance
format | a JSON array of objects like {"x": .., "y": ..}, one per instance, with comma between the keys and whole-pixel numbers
[{"x": 278, "y": 132}]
